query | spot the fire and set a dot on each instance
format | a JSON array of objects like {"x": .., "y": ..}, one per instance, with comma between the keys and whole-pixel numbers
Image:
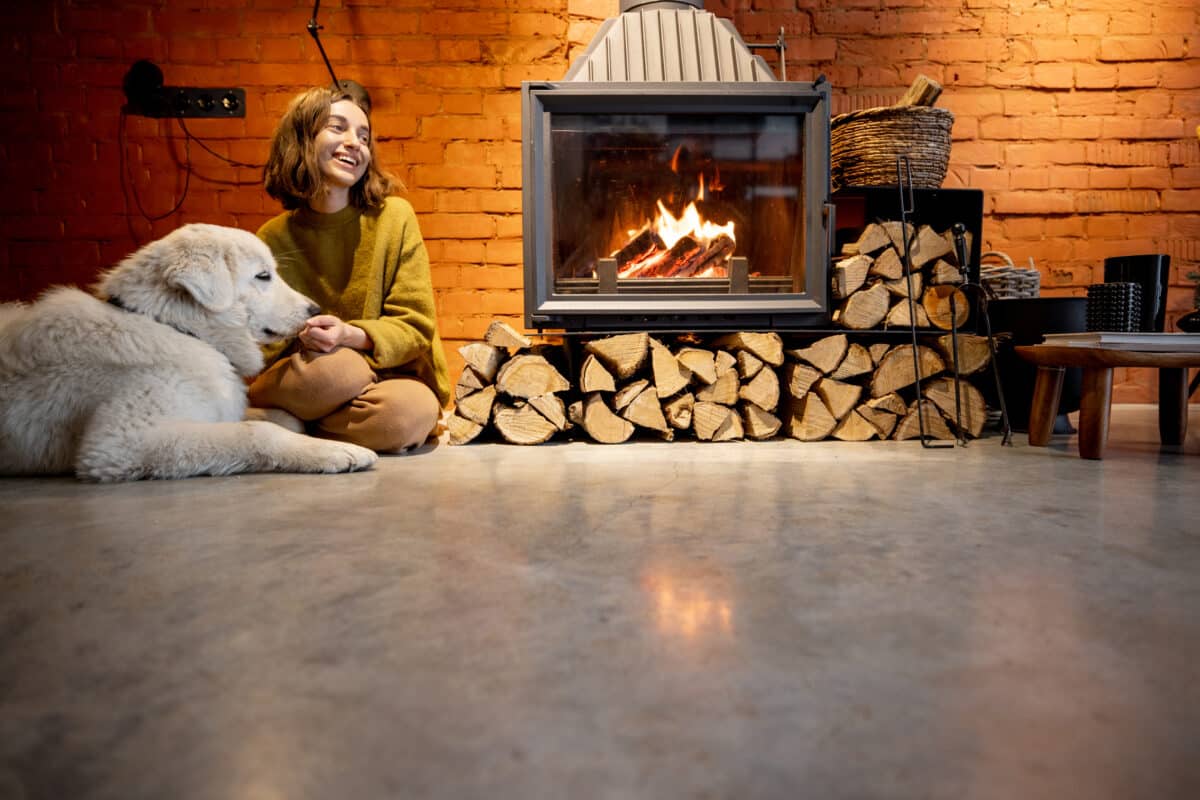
[
  {"x": 683, "y": 246},
  {"x": 671, "y": 229}
]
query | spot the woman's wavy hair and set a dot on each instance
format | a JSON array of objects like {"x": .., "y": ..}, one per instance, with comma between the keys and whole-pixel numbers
[{"x": 292, "y": 174}]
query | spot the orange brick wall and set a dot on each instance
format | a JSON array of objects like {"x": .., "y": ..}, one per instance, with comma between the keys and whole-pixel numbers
[{"x": 1076, "y": 117}]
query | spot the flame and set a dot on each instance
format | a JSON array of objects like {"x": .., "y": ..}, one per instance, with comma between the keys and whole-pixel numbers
[
  {"x": 671, "y": 229},
  {"x": 657, "y": 259}
]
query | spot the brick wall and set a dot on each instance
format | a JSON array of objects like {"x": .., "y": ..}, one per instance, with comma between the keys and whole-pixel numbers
[{"x": 1077, "y": 117}]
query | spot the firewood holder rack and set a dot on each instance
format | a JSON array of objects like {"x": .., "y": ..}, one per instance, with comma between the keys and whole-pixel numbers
[{"x": 907, "y": 206}]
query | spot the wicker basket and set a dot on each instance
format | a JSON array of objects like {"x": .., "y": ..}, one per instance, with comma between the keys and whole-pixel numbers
[
  {"x": 1005, "y": 281},
  {"x": 865, "y": 145}
]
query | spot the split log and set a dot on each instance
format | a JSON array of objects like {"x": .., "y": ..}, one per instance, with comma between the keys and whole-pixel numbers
[
  {"x": 974, "y": 352},
  {"x": 602, "y": 424},
  {"x": 710, "y": 420},
  {"x": 646, "y": 411},
  {"x": 935, "y": 425},
  {"x": 883, "y": 421},
  {"x": 840, "y": 397},
  {"x": 854, "y": 428},
  {"x": 670, "y": 376},
  {"x": 701, "y": 363},
  {"x": 723, "y": 390},
  {"x": 477, "y": 407},
  {"x": 972, "y": 407},
  {"x": 469, "y": 382},
  {"x": 552, "y": 408},
  {"x": 678, "y": 411},
  {"x": 521, "y": 423},
  {"x": 483, "y": 358},
  {"x": 937, "y": 302},
  {"x": 900, "y": 286},
  {"x": 928, "y": 246},
  {"x": 622, "y": 354},
  {"x": 628, "y": 393},
  {"x": 873, "y": 237},
  {"x": 575, "y": 413},
  {"x": 878, "y": 350},
  {"x": 762, "y": 391},
  {"x": 732, "y": 430},
  {"x": 593, "y": 377},
  {"x": 529, "y": 376},
  {"x": 849, "y": 275},
  {"x": 924, "y": 91},
  {"x": 724, "y": 362},
  {"x": 897, "y": 232},
  {"x": 462, "y": 430},
  {"x": 810, "y": 420},
  {"x": 748, "y": 364},
  {"x": 858, "y": 361},
  {"x": 758, "y": 423},
  {"x": 943, "y": 271},
  {"x": 864, "y": 309},
  {"x": 896, "y": 369},
  {"x": 888, "y": 265},
  {"x": 900, "y": 315},
  {"x": 644, "y": 243},
  {"x": 767, "y": 346},
  {"x": 825, "y": 354},
  {"x": 501, "y": 334},
  {"x": 800, "y": 379},
  {"x": 890, "y": 402}
]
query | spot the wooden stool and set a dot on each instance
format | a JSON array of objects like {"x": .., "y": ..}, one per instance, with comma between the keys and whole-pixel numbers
[{"x": 1096, "y": 400}]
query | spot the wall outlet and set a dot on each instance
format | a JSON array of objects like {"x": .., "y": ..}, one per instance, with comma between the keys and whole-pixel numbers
[{"x": 189, "y": 101}]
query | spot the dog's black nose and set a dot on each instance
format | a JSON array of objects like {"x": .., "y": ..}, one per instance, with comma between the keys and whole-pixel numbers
[{"x": 313, "y": 309}]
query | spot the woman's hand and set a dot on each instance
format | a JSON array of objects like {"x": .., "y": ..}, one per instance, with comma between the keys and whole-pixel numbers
[{"x": 325, "y": 332}]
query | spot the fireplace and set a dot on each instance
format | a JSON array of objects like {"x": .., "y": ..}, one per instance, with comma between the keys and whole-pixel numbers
[{"x": 671, "y": 182}]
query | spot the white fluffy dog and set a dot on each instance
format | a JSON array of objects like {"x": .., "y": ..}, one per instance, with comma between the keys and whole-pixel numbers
[{"x": 150, "y": 384}]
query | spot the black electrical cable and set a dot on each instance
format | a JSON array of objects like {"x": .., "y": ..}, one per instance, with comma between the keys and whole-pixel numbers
[
  {"x": 130, "y": 187},
  {"x": 214, "y": 153}
]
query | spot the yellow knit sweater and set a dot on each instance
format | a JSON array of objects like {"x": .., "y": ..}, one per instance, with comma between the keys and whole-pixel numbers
[{"x": 370, "y": 269}]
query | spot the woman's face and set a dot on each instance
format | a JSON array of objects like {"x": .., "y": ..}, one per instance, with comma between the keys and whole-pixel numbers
[{"x": 344, "y": 145}]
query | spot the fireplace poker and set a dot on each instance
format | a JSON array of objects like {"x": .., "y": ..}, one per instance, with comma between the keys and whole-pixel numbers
[
  {"x": 907, "y": 206},
  {"x": 960, "y": 248}
]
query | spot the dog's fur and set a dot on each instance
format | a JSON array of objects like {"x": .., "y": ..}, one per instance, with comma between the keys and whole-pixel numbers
[{"x": 151, "y": 383}]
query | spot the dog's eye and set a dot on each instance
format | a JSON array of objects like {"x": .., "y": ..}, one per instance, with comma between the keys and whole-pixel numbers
[{"x": 263, "y": 276}]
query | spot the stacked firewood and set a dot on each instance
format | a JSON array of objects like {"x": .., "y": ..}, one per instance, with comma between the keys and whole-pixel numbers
[
  {"x": 874, "y": 288},
  {"x": 512, "y": 385},
  {"x": 735, "y": 386}
]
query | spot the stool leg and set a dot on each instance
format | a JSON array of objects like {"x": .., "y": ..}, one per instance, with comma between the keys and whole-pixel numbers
[
  {"x": 1094, "y": 405},
  {"x": 1047, "y": 391},
  {"x": 1172, "y": 405}
]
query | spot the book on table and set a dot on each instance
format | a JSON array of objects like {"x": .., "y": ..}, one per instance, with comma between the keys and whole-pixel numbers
[{"x": 1117, "y": 340}]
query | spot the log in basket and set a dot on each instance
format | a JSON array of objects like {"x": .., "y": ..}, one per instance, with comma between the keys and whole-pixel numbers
[{"x": 865, "y": 145}]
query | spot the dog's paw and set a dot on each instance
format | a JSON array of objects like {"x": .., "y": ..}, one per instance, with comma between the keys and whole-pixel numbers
[{"x": 345, "y": 457}]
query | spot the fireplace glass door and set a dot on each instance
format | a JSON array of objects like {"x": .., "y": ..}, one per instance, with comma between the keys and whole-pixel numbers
[
  {"x": 675, "y": 199},
  {"x": 676, "y": 207}
]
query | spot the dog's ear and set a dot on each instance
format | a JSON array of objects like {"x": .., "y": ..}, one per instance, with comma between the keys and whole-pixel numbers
[{"x": 205, "y": 277}]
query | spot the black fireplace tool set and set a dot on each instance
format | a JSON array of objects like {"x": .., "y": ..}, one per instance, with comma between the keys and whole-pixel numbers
[{"x": 907, "y": 207}]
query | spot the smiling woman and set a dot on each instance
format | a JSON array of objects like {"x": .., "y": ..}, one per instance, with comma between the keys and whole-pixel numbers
[{"x": 370, "y": 368}]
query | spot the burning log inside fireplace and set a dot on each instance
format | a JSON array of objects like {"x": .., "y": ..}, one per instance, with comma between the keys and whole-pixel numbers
[{"x": 688, "y": 257}]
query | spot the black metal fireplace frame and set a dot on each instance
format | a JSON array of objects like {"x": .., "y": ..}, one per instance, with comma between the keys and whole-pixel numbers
[{"x": 544, "y": 308}]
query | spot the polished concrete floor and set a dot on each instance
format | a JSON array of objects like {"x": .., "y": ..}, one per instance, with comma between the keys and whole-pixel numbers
[{"x": 652, "y": 620}]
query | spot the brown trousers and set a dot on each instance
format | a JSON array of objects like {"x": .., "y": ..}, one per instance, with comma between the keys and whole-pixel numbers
[{"x": 339, "y": 396}]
